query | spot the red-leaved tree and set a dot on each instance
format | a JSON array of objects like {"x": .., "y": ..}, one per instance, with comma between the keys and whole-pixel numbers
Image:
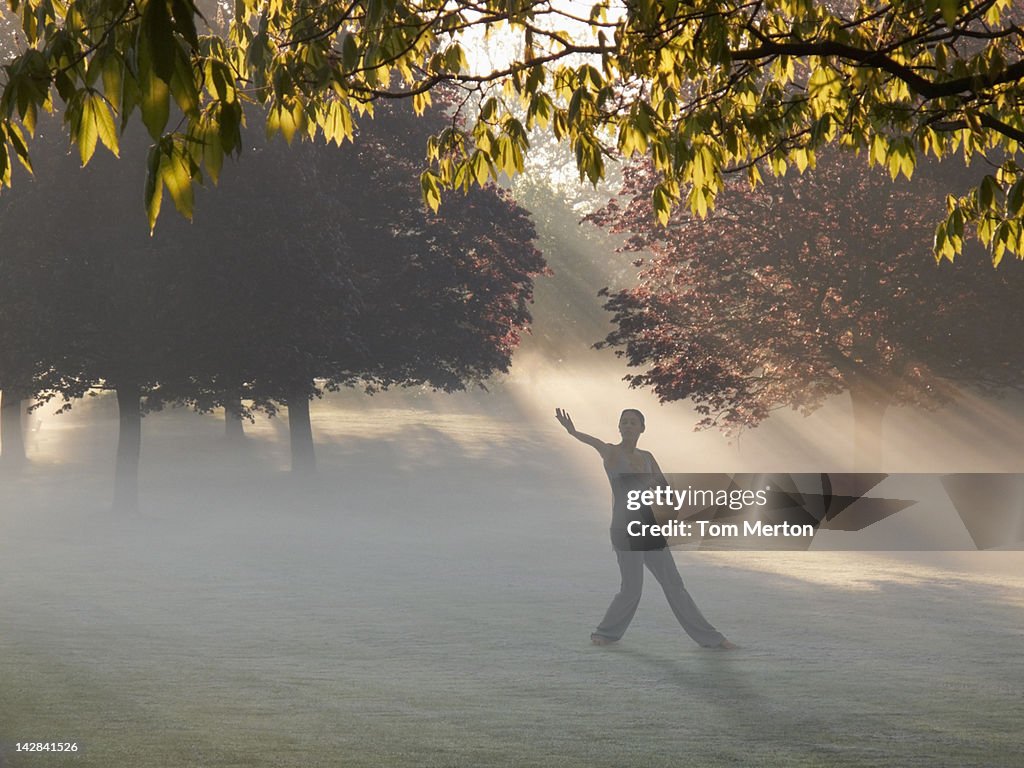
[{"x": 808, "y": 287}]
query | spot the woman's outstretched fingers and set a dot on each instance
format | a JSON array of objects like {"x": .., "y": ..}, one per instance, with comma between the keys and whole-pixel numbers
[{"x": 564, "y": 419}]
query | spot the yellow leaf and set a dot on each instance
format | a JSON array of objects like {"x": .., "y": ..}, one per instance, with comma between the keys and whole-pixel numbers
[
  {"x": 86, "y": 132},
  {"x": 431, "y": 187},
  {"x": 175, "y": 175},
  {"x": 104, "y": 123}
]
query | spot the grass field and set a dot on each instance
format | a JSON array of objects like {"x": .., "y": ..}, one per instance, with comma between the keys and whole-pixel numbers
[{"x": 432, "y": 608}]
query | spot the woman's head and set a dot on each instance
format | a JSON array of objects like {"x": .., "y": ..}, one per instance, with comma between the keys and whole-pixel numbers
[{"x": 632, "y": 422}]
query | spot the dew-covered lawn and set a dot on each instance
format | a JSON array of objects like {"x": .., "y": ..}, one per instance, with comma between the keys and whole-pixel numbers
[{"x": 427, "y": 601}]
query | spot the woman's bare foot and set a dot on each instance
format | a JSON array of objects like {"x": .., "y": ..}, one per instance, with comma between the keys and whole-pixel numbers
[
  {"x": 597, "y": 639},
  {"x": 725, "y": 645}
]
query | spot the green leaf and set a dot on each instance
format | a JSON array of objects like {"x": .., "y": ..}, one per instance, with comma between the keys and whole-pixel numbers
[
  {"x": 662, "y": 204},
  {"x": 430, "y": 184},
  {"x": 230, "y": 128},
  {"x": 987, "y": 192},
  {"x": 489, "y": 109},
  {"x": 943, "y": 248},
  {"x": 283, "y": 121},
  {"x": 17, "y": 140},
  {"x": 1015, "y": 199},
  {"x": 420, "y": 102},
  {"x": 222, "y": 81},
  {"x": 950, "y": 11},
  {"x": 213, "y": 153},
  {"x": 349, "y": 52},
  {"x": 85, "y": 132},
  {"x": 155, "y": 105},
  {"x": 1001, "y": 241},
  {"x": 478, "y": 164},
  {"x": 184, "y": 20},
  {"x": 104, "y": 123},
  {"x": 576, "y": 103},
  {"x": 177, "y": 177},
  {"x": 154, "y": 188},
  {"x": 113, "y": 69},
  {"x": 63, "y": 83},
  {"x": 455, "y": 58},
  {"x": 183, "y": 85},
  {"x": 5, "y": 165},
  {"x": 337, "y": 123},
  {"x": 158, "y": 34}
]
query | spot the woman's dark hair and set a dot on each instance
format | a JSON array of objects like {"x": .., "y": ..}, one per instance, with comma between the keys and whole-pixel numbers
[{"x": 639, "y": 415}]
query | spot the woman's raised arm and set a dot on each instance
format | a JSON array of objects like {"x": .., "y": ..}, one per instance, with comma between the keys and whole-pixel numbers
[{"x": 598, "y": 445}]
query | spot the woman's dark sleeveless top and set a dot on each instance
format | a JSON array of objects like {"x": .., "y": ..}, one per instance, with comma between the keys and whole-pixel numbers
[{"x": 625, "y": 478}]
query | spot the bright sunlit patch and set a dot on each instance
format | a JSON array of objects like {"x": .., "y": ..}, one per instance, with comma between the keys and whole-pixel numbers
[
  {"x": 495, "y": 47},
  {"x": 56, "y": 438},
  {"x": 872, "y": 571}
]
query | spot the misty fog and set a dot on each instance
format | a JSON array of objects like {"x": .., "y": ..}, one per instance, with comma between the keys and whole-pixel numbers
[{"x": 425, "y": 598}]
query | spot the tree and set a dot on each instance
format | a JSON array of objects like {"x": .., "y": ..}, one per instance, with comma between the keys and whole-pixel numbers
[
  {"x": 12, "y": 426},
  {"x": 703, "y": 87},
  {"x": 86, "y": 306},
  {"x": 17, "y": 369},
  {"x": 292, "y": 280},
  {"x": 367, "y": 287},
  {"x": 47, "y": 305},
  {"x": 798, "y": 291}
]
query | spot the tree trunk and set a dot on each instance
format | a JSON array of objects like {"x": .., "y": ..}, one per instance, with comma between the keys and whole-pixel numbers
[
  {"x": 301, "y": 432},
  {"x": 868, "y": 409},
  {"x": 129, "y": 444},
  {"x": 234, "y": 429},
  {"x": 12, "y": 428}
]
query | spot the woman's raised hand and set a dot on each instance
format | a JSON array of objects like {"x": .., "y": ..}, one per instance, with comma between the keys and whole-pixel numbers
[{"x": 565, "y": 421}]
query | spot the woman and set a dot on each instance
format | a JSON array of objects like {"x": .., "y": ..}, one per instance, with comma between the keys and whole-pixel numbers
[{"x": 629, "y": 468}]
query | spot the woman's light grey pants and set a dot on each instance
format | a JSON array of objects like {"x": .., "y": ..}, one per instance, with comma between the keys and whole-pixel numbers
[{"x": 660, "y": 563}]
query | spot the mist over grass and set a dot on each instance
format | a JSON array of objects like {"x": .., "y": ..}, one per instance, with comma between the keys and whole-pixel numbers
[{"x": 427, "y": 600}]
